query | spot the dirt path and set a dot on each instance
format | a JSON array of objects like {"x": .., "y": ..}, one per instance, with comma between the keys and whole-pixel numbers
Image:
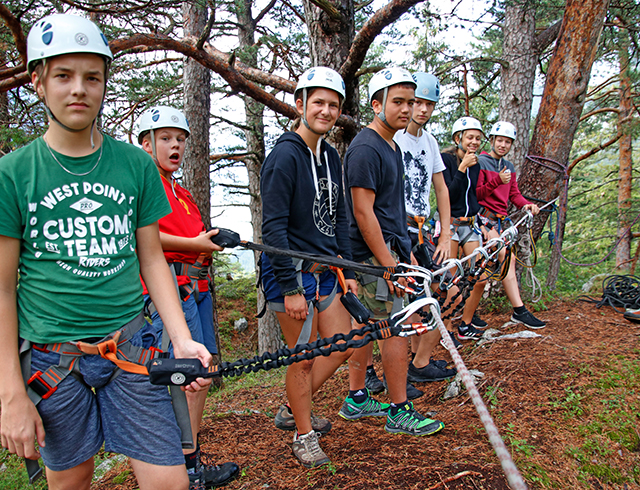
[{"x": 527, "y": 385}]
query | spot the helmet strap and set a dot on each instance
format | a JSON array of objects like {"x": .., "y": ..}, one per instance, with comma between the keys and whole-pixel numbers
[
  {"x": 153, "y": 145},
  {"x": 382, "y": 115}
]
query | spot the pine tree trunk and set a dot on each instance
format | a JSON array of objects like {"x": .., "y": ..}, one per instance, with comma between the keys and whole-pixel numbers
[
  {"x": 197, "y": 107},
  {"x": 562, "y": 102},
  {"x": 269, "y": 336},
  {"x": 623, "y": 252},
  {"x": 329, "y": 44},
  {"x": 516, "y": 80}
]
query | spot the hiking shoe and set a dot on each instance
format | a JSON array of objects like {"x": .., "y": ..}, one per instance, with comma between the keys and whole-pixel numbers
[
  {"x": 468, "y": 332},
  {"x": 454, "y": 339},
  {"x": 218, "y": 475},
  {"x": 372, "y": 382},
  {"x": 351, "y": 410},
  {"x": 478, "y": 322},
  {"x": 284, "y": 421},
  {"x": 528, "y": 319},
  {"x": 428, "y": 373},
  {"x": 308, "y": 451},
  {"x": 409, "y": 421},
  {"x": 195, "y": 481},
  {"x": 439, "y": 362},
  {"x": 632, "y": 315},
  {"x": 412, "y": 391}
]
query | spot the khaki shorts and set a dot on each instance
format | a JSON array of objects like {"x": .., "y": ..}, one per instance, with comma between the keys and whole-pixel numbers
[{"x": 374, "y": 294}]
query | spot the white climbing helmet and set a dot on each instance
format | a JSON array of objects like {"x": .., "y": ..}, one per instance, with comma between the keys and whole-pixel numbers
[
  {"x": 503, "y": 128},
  {"x": 322, "y": 77},
  {"x": 387, "y": 78},
  {"x": 428, "y": 86},
  {"x": 465, "y": 123},
  {"x": 318, "y": 77},
  {"x": 161, "y": 117},
  {"x": 60, "y": 34}
]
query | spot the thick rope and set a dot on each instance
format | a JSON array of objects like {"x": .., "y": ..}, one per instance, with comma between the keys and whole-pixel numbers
[{"x": 508, "y": 466}]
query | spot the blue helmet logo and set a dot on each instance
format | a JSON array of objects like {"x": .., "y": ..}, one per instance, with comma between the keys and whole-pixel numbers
[
  {"x": 155, "y": 115},
  {"x": 464, "y": 122},
  {"x": 388, "y": 75},
  {"x": 311, "y": 75}
]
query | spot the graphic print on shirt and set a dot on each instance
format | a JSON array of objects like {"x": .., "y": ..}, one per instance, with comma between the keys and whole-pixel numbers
[
  {"x": 325, "y": 221},
  {"x": 86, "y": 225},
  {"x": 417, "y": 183}
]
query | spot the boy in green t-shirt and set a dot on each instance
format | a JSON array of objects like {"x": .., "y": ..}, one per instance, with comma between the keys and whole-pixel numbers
[{"x": 79, "y": 225}]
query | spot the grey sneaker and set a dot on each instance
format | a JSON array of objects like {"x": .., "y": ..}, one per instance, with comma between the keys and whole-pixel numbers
[
  {"x": 284, "y": 421},
  {"x": 409, "y": 421},
  {"x": 351, "y": 410},
  {"x": 308, "y": 451}
]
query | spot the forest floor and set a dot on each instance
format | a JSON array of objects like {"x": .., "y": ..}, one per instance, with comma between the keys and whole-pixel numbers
[{"x": 567, "y": 405}]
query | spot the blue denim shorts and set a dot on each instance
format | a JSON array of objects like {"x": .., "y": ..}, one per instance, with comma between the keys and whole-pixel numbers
[
  {"x": 272, "y": 291},
  {"x": 199, "y": 317},
  {"x": 128, "y": 414}
]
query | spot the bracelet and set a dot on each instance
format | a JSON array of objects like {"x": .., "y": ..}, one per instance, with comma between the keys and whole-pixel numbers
[{"x": 293, "y": 292}]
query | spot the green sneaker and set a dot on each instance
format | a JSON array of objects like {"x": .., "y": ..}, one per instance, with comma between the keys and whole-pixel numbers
[
  {"x": 351, "y": 410},
  {"x": 409, "y": 421}
]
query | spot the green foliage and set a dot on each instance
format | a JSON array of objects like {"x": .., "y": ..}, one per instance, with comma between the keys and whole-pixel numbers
[
  {"x": 611, "y": 398},
  {"x": 13, "y": 474}
]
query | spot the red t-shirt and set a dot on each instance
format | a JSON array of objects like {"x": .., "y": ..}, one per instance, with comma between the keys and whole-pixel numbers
[{"x": 184, "y": 220}]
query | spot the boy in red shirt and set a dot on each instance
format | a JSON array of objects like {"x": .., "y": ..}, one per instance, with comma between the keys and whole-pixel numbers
[{"x": 187, "y": 246}]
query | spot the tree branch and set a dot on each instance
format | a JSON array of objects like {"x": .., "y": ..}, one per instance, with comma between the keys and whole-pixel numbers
[
  {"x": 264, "y": 12},
  {"x": 16, "y": 31},
  {"x": 544, "y": 39},
  {"x": 599, "y": 111},
  {"x": 329, "y": 9},
  {"x": 374, "y": 26},
  {"x": 593, "y": 151}
]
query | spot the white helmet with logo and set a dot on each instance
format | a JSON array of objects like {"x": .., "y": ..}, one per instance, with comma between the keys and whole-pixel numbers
[
  {"x": 465, "y": 123},
  {"x": 60, "y": 34},
  {"x": 322, "y": 77},
  {"x": 388, "y": 78},
  {"x": 318, "y": 77},
  {"x": 503, "y": 128},
  {"x": 161, "y": 117},
  {"x": 428, "y": 86}
]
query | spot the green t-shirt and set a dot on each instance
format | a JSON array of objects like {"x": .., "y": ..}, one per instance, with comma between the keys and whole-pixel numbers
[{"x": 79, "y": 273}]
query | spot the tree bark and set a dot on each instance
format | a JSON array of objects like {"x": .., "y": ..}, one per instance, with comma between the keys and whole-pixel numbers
[
  {"x": 562, "y": 102},
  {"x": 623, "y": 251},
  {"x": 330, "y": 38},
  {"x": 197, "y": 108},
  {"x": 269, "y": 336},
  {"x": 518, "y": 75}
]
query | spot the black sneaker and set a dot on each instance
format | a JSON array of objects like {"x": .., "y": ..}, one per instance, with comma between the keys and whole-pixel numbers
[
  {"x": 468, "y": 332},
  {"x": 412, "y": 391},
  {"x": 439, "y": 362},
  {"x": 428, "y": 373},
  {"x": 528, "y": 319},
  {"x": 218, "y": 475},
  {"x": 372, "y": 382},
  {"x": 454, "y": 339},
  {"x": 478, "y": 322}
]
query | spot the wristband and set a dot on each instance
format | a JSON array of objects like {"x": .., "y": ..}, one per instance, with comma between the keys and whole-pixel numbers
[{"x": 293, "y": 292}]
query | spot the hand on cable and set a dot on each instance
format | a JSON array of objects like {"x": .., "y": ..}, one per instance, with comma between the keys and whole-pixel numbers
[
  {"x": 190, "y": 349},
  {"x": 532, "y": 207}
]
